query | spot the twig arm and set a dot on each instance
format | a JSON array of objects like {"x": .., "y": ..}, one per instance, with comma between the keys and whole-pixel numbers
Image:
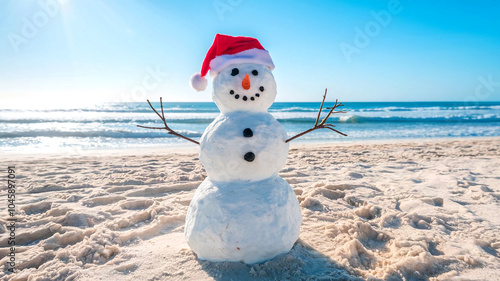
[
  {"x": 322, "y": 124},
  {"x": 301, "y": 134},
  {"x": 320, "y": 108},
  {"x": 326, "y": 126},
  {"x": 162, "y": 117}
]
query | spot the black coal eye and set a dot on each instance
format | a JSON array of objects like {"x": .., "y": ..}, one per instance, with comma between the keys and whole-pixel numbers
[
  {"x": 235, "y": 72},
  {"x": 261, "y": 88},
  {"x": 255, "y": 72}
]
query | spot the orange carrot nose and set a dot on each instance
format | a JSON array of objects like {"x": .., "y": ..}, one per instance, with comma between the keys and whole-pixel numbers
[{"x": 246, "y": 82}]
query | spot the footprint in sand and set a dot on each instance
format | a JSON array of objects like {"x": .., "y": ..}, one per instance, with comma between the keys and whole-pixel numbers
[
  {"x": 312, "y": 204},
  {"x": 36, "y": 208},
  {"x": 137, "y": 204},
  {"x": 368, "y": 212},
  {"x": 434, "y": 248},
  {"x": 331, "y": 194},
  {"x": 103, "y": 200},
  {"x": 355, "y": 175}
]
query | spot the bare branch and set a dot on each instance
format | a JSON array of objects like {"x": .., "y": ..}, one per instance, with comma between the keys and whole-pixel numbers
[
  {"x": 150, "y": 105},
  {"x": 320, "y": 108},
  {"x": 337, "y": 131},
  {"x": 162, "y": 117},
  {"x": 322, "y": 124},
  {"x": 156, "y": 128},
  {"x": 331, "y": 110},
  {"x": 301, "y": 134}
]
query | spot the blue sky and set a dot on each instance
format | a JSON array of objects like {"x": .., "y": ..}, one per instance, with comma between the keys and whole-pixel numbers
[{"x": 86, "y": 51}]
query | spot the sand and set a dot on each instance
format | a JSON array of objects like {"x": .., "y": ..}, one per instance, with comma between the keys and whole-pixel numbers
[{"x": 394, "y": 210}]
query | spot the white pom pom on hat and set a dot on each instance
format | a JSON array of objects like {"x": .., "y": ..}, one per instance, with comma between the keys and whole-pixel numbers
[
  {"x": 227, "y": 50},
  {"x": 198, "y": 83}
]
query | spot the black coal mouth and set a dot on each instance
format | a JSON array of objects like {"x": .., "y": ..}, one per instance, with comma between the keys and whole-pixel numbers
[{"x": 247, "y": 97}]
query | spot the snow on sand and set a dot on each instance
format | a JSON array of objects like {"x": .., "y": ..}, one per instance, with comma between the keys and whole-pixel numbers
[{"x": 414, "y": 210}]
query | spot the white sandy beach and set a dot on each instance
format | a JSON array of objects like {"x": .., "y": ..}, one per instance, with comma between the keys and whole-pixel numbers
[{"x": 392, "y": 210}]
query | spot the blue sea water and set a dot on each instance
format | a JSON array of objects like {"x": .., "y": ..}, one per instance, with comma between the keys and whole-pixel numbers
[{"x": 113, "y": 125}]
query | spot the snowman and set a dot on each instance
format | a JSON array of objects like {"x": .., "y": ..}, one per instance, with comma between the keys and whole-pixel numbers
[{"x": 243, "y": 210}]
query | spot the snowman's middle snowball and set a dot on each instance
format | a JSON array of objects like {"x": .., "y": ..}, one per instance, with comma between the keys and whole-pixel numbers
[{"x": 224, "y": 147}]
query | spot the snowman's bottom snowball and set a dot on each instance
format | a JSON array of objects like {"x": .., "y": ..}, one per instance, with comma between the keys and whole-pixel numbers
[{"x": 243, "y": 221}]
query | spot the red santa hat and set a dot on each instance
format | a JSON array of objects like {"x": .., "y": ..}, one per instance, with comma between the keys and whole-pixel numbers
[{"x": 227, "y": 50}]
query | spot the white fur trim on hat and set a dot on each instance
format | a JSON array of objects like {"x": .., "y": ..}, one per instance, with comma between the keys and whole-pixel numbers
[
  {"x": 248, "y": 56},
  {"x": 197, "y": 82}
]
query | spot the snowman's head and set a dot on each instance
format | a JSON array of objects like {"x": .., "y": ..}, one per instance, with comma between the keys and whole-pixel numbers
[{"x": 244, "y": 87}]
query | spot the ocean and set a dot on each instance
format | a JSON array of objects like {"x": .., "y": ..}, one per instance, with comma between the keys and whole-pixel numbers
[{"x": 113, "y": 125}]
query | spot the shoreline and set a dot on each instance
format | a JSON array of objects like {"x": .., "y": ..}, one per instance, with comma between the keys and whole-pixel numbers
[{"x": 188, "y": 148}]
